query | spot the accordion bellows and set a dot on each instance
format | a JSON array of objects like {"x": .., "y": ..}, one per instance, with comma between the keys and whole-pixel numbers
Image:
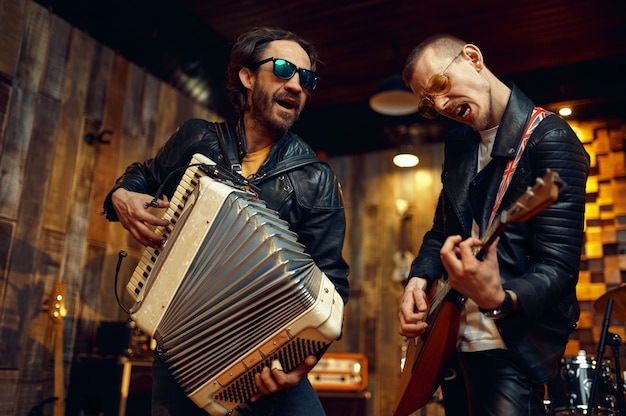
[{"x": 231, "y": 291}]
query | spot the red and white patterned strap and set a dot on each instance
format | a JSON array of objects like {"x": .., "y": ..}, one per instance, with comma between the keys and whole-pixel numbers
[{"x": 536, "y": 117}]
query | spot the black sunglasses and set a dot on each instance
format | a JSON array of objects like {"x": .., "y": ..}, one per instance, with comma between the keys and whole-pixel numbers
[{"x": 286, "y": 70}]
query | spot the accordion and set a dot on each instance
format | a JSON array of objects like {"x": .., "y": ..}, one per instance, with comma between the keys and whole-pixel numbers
[{"x": 231, "y": 291}]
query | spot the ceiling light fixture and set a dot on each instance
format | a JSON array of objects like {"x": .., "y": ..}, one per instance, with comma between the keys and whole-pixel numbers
[
  {"x": 393, "y": 97},
  {"x": 405, "y": 157},
  {"x": 405, "y": 160},
  {"x": 565, "y": 111}
]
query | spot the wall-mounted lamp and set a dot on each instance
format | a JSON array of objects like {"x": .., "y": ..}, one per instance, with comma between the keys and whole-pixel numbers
[{"x": 393, "y": 97}]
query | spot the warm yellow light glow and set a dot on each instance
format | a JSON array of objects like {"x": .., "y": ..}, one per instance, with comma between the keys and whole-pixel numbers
[
  {"x": 405, "y": 160},
  {"x": 565, "y": 111},
  {"x": 424, "y": 177}
]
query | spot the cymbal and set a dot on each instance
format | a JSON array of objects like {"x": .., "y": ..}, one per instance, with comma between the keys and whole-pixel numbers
[{"x": 619, "y": 303}]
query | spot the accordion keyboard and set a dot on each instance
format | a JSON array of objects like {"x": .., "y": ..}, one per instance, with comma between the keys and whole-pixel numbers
[{"x": 185, "y": 188}]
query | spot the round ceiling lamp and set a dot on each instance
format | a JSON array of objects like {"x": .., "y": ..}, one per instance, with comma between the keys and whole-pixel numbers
[
  {"x": 406, "y": 157},
  {"x": 405, "y": 160},
  {"x": 393, "y": 98}
]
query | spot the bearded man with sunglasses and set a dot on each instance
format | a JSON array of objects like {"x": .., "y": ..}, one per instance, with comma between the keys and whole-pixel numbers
[
  {"x": 269, "y": 77},
  {"x": 518, "y": 304}
]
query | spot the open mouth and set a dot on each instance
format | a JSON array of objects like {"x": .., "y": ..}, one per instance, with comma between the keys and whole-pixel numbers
[
  {"x": 463, "y": 111},
  {"x": 287, "y": 103}
]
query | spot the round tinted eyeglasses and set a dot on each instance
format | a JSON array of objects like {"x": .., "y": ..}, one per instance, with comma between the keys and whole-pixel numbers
[
  {"x": 286, "y": 70},
  {"x": 438, "y": 84}
]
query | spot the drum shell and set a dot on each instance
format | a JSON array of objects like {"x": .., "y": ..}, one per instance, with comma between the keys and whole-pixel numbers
[{"x": 569, "y": 392}]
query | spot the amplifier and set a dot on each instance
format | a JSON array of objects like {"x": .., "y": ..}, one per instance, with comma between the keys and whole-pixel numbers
[
  {"x": 109, "y": 386},
  {"x": 340, "y": 372}
]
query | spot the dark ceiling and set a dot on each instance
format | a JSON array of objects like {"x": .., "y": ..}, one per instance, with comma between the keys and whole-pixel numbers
[{"x": 557, "y": 51}]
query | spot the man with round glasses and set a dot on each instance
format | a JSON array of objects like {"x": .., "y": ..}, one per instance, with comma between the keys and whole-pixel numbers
[
  {"x": 518, "y": 303},
  {"x": 269, "y": 77}
]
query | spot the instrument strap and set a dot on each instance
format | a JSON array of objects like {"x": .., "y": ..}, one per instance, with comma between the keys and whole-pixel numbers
[
  {"x": 232, "y": 146},
  {"x": 292, "y": 163},
  {"x": 536, "y": 117}
]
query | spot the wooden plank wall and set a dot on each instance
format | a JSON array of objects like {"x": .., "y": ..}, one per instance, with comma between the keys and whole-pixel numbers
[
  {"x": 57, "y": 85},
  {"x": 372, "y": 185}
]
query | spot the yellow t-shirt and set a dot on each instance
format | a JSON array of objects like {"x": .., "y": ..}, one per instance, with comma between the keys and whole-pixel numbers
[{"x": 253, "y": 161}]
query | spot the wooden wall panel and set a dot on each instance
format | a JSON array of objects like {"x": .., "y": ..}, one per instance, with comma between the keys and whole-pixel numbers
[
  {"x": 76, "y": 253},
  {"x": 37, "y": 360},
  {"x": 150, "y": 112},
  {"x": 56, "y": 59},
  {"x": 168, "y": 120},
  {"x": 346, "y": 170},
  {"x": 6, "y": 243},
  {"x": 56, "y": 85},
  {"x": 371, "y": 187},
  {"x": 87, "y": 316},
  {"x": 108, "y": 153},
  {"x": 6, "y": 234},
  {"x": 133, "y": 105},
  {"x": 12, "y": 20},
  {"x": 37, "y": 367},
  {"x": 21, "y": 320},
  {"x": 8, "y": 390},
  {"x": 98, "y": 83},
  {"x": 131, "y": 147},
  {"x": 29, "y": 225},
  {"x": 34, "y": 48},
  {"x": 5, "y": 97},
  {"x": 70, "y": 132},
  {"x": 20, "y": 116}
]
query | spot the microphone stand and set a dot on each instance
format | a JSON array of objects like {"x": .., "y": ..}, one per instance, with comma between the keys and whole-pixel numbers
[
  {"x": 616, "y": 342},
  {"x": 596, "y": 374}
]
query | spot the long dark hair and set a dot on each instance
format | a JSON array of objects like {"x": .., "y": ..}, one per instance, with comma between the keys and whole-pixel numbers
[{"x": 247, "y": 51}]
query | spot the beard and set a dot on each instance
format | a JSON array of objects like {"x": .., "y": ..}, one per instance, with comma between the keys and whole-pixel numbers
[
  {"x": 480, "y": 124},
  {"x": 261, "y": 111}
]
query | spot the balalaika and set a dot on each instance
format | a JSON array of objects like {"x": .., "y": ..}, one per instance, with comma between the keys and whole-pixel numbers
[{"x": 231, "y": 291}]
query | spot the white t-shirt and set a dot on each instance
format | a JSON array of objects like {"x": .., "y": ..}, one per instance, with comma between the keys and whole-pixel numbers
[{"x": 476, "y": 331}]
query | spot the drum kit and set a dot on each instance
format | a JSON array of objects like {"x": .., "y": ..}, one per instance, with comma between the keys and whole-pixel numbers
[{"x": 587, "y": 386}]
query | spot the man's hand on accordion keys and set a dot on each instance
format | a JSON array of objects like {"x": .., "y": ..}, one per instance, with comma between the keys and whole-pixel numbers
[
  {"x": 274, "y": 379},
  {"x": 132, "y": 212}
]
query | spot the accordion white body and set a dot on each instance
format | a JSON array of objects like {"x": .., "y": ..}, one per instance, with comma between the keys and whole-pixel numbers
[{"x": 231, "y": 291}]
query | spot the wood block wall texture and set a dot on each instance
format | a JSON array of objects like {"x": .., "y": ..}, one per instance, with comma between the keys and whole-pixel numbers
[
  {"x": 56, "y": 85},
  {"x": 603, "y": 264}
]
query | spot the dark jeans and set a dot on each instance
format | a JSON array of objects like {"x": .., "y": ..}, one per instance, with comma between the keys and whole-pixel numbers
[
  {"x": 489, "y": 383},
  {"x": 169, "y": 399}
]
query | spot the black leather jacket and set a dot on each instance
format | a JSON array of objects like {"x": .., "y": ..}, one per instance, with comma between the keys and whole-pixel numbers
[
  {"x": 292, "y": 181},
  {"x": 539, "y": 259}
]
